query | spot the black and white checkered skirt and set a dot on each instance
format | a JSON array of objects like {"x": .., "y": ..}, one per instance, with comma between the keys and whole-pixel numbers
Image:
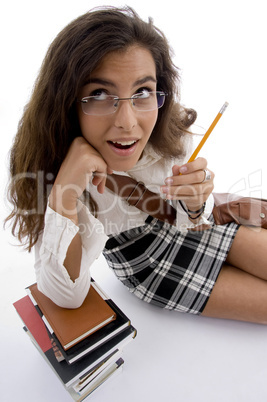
[{"x": 170, "y": 269}]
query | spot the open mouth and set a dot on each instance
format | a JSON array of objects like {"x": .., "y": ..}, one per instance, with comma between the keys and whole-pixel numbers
[{"x": 122, "y": 144}]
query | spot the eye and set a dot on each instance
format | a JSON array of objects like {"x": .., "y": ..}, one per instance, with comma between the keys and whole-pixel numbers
[
  {"x": 143, "y": 92},
  {"x": 100, "y": 94}
]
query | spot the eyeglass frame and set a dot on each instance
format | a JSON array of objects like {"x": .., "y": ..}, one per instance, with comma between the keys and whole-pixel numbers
[{"x": 117, "y": 99}]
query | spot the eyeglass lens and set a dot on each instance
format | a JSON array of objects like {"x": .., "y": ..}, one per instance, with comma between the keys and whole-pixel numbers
[{"x": 93, "y": 105}]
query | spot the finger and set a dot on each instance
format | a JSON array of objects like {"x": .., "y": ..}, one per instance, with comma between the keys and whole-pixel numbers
[
  {"x": 196, "y": 191},
  {"x": 197, "y": 177},
  {"x": 101, "y": 186},
  {"x": 99, "y": 180},
  {"x": 99, "y": 176},
  {"x": 184, "y": 191},
  {"x": 197, "y": 164}
]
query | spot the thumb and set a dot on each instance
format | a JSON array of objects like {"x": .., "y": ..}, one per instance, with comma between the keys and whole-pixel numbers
[{"x": 175, "y": 170}]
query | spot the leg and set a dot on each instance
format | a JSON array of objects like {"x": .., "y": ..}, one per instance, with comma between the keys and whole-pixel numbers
[
  {"x": 249, "y": 251},
  {"x": 238, "y": 295}
]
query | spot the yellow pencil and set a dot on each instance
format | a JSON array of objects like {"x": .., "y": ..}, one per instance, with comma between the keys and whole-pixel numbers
[{"x": 204, "y": 139}]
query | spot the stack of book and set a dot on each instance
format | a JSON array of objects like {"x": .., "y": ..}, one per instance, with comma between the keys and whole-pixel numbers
[{"x": 83, "y": 346}]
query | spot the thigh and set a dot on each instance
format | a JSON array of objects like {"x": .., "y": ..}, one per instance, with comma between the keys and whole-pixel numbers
[
  {"x": 238, "y": 295},
  {"x": 249, "y": 251}
]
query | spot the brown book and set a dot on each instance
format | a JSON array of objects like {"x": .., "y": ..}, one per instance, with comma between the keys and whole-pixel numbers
[{"x": 73, "y": 325}]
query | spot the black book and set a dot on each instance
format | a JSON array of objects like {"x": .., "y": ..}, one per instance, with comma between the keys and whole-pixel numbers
[{"x": 71, "y": 373}]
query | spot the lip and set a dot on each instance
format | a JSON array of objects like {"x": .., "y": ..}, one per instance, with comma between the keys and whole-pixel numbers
[{"x": 124, "y": 152}]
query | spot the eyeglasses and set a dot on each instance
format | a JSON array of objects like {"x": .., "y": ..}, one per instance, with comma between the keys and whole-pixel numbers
[{"x": 104, "y": 104}]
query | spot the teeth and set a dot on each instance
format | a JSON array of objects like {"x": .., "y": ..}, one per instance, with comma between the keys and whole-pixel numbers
[{"x": 123, "y": 143}]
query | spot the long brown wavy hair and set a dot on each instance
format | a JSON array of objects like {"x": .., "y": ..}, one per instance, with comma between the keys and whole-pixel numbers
[{"x": 49, "y": 122}]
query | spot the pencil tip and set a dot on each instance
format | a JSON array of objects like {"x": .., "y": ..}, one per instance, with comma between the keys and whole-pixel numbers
[{"x": 224, "y": 107}]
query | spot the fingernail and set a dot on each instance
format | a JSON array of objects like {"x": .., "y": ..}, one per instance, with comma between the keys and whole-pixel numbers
[
  {"x": 183, "y": 169},
  {"x": 164, "y": 196},
  {"x": 164, "y": 190},
  {"x": 169, "y": 180}
]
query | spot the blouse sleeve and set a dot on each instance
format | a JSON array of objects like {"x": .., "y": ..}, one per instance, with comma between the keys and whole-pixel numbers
[{"x": 50, "y": 252}]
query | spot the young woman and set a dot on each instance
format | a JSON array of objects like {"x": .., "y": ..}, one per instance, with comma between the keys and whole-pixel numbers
[{"x": 106, "y": 102}]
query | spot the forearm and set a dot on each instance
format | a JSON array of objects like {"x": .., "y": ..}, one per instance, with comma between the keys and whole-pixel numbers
[
  {"x": 67, "y": 207},
  {"x": 54, "y": 248},
  {"x": 72, "y": 262}
]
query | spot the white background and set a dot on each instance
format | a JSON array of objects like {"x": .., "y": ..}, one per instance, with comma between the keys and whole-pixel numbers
[{"x": 220, "y": 48}]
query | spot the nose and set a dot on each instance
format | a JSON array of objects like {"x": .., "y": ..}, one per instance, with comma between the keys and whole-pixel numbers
[{"x": 125, "y": 116}]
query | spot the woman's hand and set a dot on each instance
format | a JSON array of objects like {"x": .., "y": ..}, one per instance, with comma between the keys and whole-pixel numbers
[
  {"x": 81, "y": 163},
  {"x": 188, "y": 184}
]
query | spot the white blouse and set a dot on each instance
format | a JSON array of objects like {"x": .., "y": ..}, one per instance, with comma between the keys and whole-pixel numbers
[{"x": 114, "y": 216}]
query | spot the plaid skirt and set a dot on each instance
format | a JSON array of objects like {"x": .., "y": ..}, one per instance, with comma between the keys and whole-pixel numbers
[{"x": 168, "y": 268}]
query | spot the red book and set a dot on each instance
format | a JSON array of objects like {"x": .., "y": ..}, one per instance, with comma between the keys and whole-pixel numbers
[{"x": 35, "y": 324}]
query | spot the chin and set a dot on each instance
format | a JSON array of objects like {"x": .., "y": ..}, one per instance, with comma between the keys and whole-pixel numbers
[{"x": 123, "y": 166}]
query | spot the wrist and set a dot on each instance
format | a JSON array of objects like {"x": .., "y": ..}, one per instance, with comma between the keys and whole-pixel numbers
[{"x": 195, "y": 213}]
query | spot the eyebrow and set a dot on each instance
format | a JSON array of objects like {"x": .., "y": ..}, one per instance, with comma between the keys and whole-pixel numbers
[
  {"x": 144, "y": 80},
  {"x": 101, "y": 81}
]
